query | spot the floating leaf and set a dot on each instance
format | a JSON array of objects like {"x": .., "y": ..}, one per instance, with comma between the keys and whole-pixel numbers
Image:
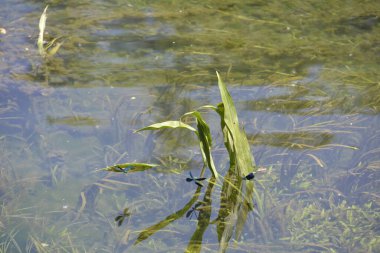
[
  {"x": 167, "y": 124},
  {"x": 130, "y": 167}
]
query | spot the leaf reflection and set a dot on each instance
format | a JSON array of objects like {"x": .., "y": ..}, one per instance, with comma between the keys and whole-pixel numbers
[
  {"x": 194, "y": 210},
  {"x": 195, "y": 243},
  {"x": 169, "y": 219}
]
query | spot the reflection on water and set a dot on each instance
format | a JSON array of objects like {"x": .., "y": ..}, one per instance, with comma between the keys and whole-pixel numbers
[{"x": 304, "y": 77}]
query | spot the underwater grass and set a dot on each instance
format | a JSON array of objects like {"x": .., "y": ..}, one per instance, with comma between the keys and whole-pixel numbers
[{"x": 277, "y": 42}]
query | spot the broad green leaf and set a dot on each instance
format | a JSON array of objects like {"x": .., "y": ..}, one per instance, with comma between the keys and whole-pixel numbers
[
  {"x": 202, "y": 126},
  {"x": 227, "y": 136},
  {"x": 130, "y": 167},
  {"x": 167, "y": 124},
  {"x": 205, "y": 141},
  {"x": 237, "y": 204},
  {"x": 208, "y": 107},
  {"x": 240, "y": 143},
  {"x": 230, "y": 115}
]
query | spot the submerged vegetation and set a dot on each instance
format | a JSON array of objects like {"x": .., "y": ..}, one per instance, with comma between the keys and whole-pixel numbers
[{"x": 304, "y": 77}]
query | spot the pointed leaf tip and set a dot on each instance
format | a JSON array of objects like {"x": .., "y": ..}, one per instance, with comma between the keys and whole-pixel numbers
[{"x": 167, "y": 124}]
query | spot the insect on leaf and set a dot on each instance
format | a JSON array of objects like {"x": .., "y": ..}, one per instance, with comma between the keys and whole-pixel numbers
[
  {"x": 241, "y": 146},
  {"x": 130, "y": 167},
  {"x": 241, "y": 162}
]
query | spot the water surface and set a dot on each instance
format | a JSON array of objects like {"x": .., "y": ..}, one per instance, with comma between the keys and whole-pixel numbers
[{"x": 304, "y": 78}]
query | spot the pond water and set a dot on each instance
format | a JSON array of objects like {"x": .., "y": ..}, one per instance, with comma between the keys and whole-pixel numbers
[{"x": 304, "y": 76}]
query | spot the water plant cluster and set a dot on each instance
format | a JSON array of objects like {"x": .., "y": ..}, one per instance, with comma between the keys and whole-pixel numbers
[
  {"x": 288, "y": 204},
  {"x": 236, "y": 198}
]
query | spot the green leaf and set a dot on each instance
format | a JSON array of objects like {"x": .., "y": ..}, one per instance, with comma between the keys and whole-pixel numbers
[
  {"x": 205, "y": 141},
  {"x": 241, "y": 163},
  {"x": 227, "y": 136},
  {"x": 240, "y": 143},
  {"x": 130, "y": 167},
  {"x": 167, "y": 124},
  {"x": 42, "y": 25},
  {"x": 230, "y": 115},
  {"x": 54, "y": 49},
  {"x": 208, "y": 107}
]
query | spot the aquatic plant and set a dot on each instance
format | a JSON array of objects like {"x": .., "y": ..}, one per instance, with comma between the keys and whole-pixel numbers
[
  {"x": 49, "y": 48},
  {"x": 346, "y": 81},
  {"x": 236, "y": 202},
  {"x": 350, "y": 227}
]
